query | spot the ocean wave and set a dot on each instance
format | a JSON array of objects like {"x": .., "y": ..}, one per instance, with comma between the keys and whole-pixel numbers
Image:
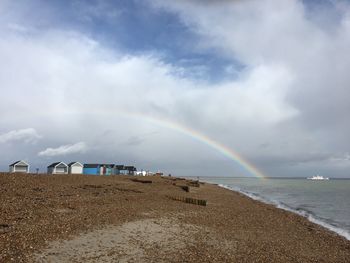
[{"x": 300, "y": 211}]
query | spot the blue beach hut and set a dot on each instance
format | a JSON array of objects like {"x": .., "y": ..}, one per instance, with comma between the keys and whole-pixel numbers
[
  {"x": 92, "y": 169},
  {"x": 98, "y": 169}
]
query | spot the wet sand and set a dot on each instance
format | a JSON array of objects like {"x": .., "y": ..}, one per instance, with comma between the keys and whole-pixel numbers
[{"x": 65, "y": 218}]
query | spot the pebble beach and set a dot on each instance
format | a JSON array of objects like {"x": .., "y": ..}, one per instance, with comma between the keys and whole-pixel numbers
[{"x": 79, "y": 218}]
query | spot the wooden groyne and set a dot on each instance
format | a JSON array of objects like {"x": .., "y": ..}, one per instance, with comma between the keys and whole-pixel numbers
[{"x": 189, "y": 200}]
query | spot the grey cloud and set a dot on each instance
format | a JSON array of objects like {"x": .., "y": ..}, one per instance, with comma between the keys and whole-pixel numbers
[
  {"x": 134, "y": 140},
  {"x": 289, "y": 35},
  {"x": 28, "y": 135},
  {"x": 79, "y": 147}
]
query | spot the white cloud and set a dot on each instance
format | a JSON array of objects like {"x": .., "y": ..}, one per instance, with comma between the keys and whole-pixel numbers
[
  {"x": 28, "y": 135},
  {"x": 79, "y": 147}
]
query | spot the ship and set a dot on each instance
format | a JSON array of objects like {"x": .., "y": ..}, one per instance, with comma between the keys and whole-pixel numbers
[{"x": 318, "y": 177}]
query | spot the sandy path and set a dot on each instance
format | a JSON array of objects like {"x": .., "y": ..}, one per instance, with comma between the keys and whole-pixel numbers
[{"x": 130, "y": 242}]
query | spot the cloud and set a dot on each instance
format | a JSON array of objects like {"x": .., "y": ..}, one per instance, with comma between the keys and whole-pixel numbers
[
  {"x": 17, "y": 27},
  {"x": 288, "y": 102},
  {"x": 96, "y": 10},
  {"x": 28, "y": 135},
  {"x": 79, "y": 147},
  {"x": 310, "y": 45},
  {"x": 134, "y": 141}
]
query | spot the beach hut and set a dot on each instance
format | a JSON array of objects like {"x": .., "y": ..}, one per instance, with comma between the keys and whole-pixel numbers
[
  {"x": 141, "y": 173},
  {"x": 75, "y": 168},
  {"x": 57, "y": 168},
  {"x": 130, "y": 170},
  {"x": 19, "y": 167},
  {"x": 90, "y": 168},
  {"x": 120, "y": 169},
  {"x": 99, "y": 169},
  {"x": 108, "y": 169}
]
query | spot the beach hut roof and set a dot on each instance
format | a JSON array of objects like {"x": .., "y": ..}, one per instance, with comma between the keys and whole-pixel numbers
[
  {"x": 96, "y": 165},
  {"x": 55, "y": 164},
  {"x": 91, "y": 165},
  {"x": 109, "y": 165},
  {"x": 15, "y": 163},
  {"x": 70, "y": 164},
  {"x": 130, "y": 168}
]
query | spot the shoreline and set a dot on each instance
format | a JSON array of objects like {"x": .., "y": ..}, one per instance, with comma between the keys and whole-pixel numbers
[
  {"x": 341, "y": 232},
  {"x": 66, "y": 218}
]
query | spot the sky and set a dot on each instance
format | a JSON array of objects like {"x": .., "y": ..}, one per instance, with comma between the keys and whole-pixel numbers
[{"x": 167, "y": 85}]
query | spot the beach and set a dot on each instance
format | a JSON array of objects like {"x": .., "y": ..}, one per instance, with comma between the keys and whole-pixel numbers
[{"x": 79, "y": 218}]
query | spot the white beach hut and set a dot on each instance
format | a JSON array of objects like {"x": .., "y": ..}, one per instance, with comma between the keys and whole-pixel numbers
[
  {"x": 19, "y": 167},
  {"x": 141, "y": 173},
  {"x": 57, "y": 168},
  {"x": 75, "y": 168}
]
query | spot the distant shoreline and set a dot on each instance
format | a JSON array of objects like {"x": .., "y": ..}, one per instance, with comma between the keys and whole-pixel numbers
[{"x": 251, "y": 177}]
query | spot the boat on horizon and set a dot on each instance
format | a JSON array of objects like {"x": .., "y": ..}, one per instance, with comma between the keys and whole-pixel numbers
[{"x": 318, "y": 177}]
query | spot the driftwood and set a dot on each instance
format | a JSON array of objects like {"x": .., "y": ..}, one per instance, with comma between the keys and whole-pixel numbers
[
  {"x": 141, "y": 181},
  {"x": 185, "y": 188},
  {"x": 189, "y": 200}
]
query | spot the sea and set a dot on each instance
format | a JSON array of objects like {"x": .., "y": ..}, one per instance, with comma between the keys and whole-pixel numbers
[{"x": 324, "y": 202}]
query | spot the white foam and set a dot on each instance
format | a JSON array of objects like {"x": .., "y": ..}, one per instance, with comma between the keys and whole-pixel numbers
[{"x": 310, "y": 217}]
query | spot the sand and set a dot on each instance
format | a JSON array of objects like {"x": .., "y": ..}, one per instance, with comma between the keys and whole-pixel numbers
[
  {"x": 45, "y": 218},
  {"x": 130, "y": 242}
]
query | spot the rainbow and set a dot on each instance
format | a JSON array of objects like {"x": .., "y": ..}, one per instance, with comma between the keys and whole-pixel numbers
[{"x": 224, "y": 150}]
